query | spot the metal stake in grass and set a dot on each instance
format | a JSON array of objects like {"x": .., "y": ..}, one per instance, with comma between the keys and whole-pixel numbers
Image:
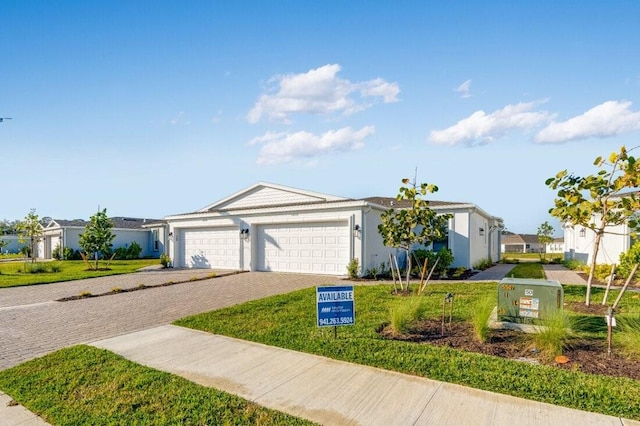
[{"x": 447, "y": 299}]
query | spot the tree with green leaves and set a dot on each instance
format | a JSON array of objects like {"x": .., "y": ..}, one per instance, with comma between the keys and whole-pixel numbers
[
  {"x": 599, "y": 201},
  {"x": 545, "y": 236},
  {"x": 30, "y": 229},
  {"x": 97, "y": 238},
  {"x": 416, "y": 224}
]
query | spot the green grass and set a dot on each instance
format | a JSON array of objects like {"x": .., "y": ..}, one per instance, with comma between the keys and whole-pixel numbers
[
  {"x": 13, "y": 274},
  {"x": 527, "y": 270},
  {"x": 405, "y": 312},
  {"x": 557, "y": 333},
  {"x": 83, "y": 385},
  {"x": 627, "y": 336},
  {"x": 530, "y": 256},
  {"x": 288, "y": 321}
]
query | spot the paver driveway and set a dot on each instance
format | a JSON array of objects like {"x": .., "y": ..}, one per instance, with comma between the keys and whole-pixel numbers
[{"x": 33, "y": 324}]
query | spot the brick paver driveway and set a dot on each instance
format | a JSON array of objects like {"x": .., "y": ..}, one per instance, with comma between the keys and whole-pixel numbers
[{"x": 32, "y": 323}]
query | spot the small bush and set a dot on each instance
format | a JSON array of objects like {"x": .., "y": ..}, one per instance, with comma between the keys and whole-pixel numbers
[
  {"x": 574, "y": 264},
  {"x": 57, "y": 252},
  {"x": 555, "y": 336},
  {"x": 55, "y": 267},
  {"x": 85, "y": 294},
  {"x": 128, "y": 252},
  {"x": 402, "y": 315},
  {"x": 627, "y": 336},
  {"x": 483, "y": 264},
  {"x": 116, "y": 290},
  {"x": 165, "y": 260},
  {"x": 445, "y": 260},
  {"x": 353, "y": 268},
  {"x": 480, "y": 318}
]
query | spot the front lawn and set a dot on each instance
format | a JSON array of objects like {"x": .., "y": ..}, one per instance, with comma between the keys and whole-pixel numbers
[
  {"x": 289, "y": 320},
  {"x": 13, "y": 274},
  {"x": 527, "y": 270},
  {"x": 83, "y": 385}
]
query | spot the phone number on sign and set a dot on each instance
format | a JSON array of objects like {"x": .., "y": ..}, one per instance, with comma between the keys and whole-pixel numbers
[{"x": 335, "y": 321}]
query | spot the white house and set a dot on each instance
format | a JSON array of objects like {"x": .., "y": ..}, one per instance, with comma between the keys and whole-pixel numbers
[
  {"x": 13, "y": 243},
  {"x": 269, "y": 227},
  {"x": 66, "y": 233},
  {"x": 578, "y": 242}
]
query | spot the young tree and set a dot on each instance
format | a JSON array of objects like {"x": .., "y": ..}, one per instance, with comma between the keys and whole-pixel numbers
[
  {"x": 545, "y": 236},
  {"x": 97, "y": 238},
  {"x": 416, "y": 224},
  {"x": 30, "y": 228},
  {"x": 597, "y": 201}
]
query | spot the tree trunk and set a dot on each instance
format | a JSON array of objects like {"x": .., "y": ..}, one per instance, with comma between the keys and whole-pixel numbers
[
  {"x": 592, "y": 269},
  {"x": 408, "y": 270}
]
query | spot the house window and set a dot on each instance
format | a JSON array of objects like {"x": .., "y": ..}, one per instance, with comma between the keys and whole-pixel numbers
[
  {"x": 156, "y": 242},
  {"x": 583, "y": 232}
]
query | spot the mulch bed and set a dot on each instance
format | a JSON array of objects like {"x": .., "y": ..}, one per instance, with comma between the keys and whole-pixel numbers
[{"x": 589, "y": 357}]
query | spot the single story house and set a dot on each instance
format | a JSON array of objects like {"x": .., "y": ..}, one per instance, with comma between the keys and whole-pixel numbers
[
  {"x": 579, "y": 240},
  {"x": 520, "y": 243},
  {"x": 269, "y": 227},
  {"x": 556, "y": 246},
  {"x": 66, "y": 233},
  {"x": 13, "y": 244}
]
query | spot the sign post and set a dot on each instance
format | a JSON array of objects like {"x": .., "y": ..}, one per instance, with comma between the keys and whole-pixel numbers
[{"x": 335, "y": 306}]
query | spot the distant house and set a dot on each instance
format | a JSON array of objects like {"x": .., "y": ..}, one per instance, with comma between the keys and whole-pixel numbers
[
  {"x": 556, "y": 246},
  {"x": 520, "y": 243},
  {"x": 13, "y": 243},
  {"x": 66, "y": 233},
  {"x": 269, "y": 227}
]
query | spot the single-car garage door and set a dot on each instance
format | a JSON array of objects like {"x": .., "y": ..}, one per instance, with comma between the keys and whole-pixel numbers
[
  {"x": 211, "y": 248},
  {"x": 321, "y": 248}
]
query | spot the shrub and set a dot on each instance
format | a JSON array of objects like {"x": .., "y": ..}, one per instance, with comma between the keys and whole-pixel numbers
[
  {"x": 574, "y": 264},
  {"x": 480, "y": 318},
  {"x": 67, "y": 253},
  {"x": 402, "y": 315},
  {"x": 127, "y": 252},
  {"x": 165, "y": 260},
  {"x": 627, "y": 336},
  {"x": 628, "y": 260},
  {"x": 57, "y": 252},
  {"x": 555, "y": 336},
  {"x": 116, "y": 290},
  {"x": 483, "y": 264},
  {"x": 353, "y": 268},
  {"x": 445, "y": 256}
]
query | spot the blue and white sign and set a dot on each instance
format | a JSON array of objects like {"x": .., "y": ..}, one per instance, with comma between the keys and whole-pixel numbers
[{"x": 335, "y": 306}]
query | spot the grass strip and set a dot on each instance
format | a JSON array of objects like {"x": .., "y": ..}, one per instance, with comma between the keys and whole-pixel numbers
[
  {"x": 527, "y": 270},
  {"x": 83, "y": 385},
  {"x": 12, "y": 273},
  {"x": 288, "y": 321}
]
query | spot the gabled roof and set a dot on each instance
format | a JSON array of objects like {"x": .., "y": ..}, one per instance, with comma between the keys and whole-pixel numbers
[{"x": 264, "y": 194}]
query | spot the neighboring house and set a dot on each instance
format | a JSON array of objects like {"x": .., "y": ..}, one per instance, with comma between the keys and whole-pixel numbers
[
  {"x": 579, "y": 241},
  {"x": 556, "y": 246},
  {"x": 520, "y": 243},
  {"x": 66, "y": 233},
  {"x": 269, "y": 227},
  {"x": 13, "y": 243}
]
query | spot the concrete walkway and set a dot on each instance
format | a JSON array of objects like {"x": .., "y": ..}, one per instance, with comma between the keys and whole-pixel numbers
[
  {"x": 562, "y": 274},
  {"x": 332, "y": 392}
]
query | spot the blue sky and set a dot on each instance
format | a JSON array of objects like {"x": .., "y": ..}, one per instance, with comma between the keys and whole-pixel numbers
[{"x": 152, "y": 108}]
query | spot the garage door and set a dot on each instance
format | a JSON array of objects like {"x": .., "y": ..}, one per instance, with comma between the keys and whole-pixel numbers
[
  {"x": 211, "y": 248},
  {"x": 321, "y": 248}
]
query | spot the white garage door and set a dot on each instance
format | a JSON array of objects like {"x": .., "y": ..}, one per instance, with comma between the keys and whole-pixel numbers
[
  {"x": 321, "y": 248},
  {"x": 211, "y": 248}
]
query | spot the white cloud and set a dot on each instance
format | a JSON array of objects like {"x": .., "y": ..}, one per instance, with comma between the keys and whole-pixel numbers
[
  {"x": 318, "y": 91},
  {"x": 464, "y": 89},
  {"x": 482, "y": 127},
  {"x": 288, "y": 147},
  {"x": 607, "y": 119},
  {"x": 180, "y": 120}
]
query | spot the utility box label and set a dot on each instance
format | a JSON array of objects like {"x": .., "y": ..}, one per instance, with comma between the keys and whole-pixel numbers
[
  {"x": 335, "y": 306},
  {"x": 529, "y": 307}
]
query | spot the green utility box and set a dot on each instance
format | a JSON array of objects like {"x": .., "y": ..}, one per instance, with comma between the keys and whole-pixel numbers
[{"x": 525, "y": 300}]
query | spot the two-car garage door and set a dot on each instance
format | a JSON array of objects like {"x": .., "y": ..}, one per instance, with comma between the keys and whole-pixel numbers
[
  {"x": 318, "y": 247},
  {"x": 321, "y": 248}
]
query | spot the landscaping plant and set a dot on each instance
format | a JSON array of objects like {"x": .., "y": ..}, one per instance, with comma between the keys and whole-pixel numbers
[{"x": 481, "y": 316}]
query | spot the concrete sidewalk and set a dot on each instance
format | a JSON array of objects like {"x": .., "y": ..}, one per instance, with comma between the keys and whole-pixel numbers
[{"x": 332, "y": 392}]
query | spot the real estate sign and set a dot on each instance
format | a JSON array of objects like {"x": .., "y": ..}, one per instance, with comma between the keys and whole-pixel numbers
[{"x": 335, "y": 306}]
